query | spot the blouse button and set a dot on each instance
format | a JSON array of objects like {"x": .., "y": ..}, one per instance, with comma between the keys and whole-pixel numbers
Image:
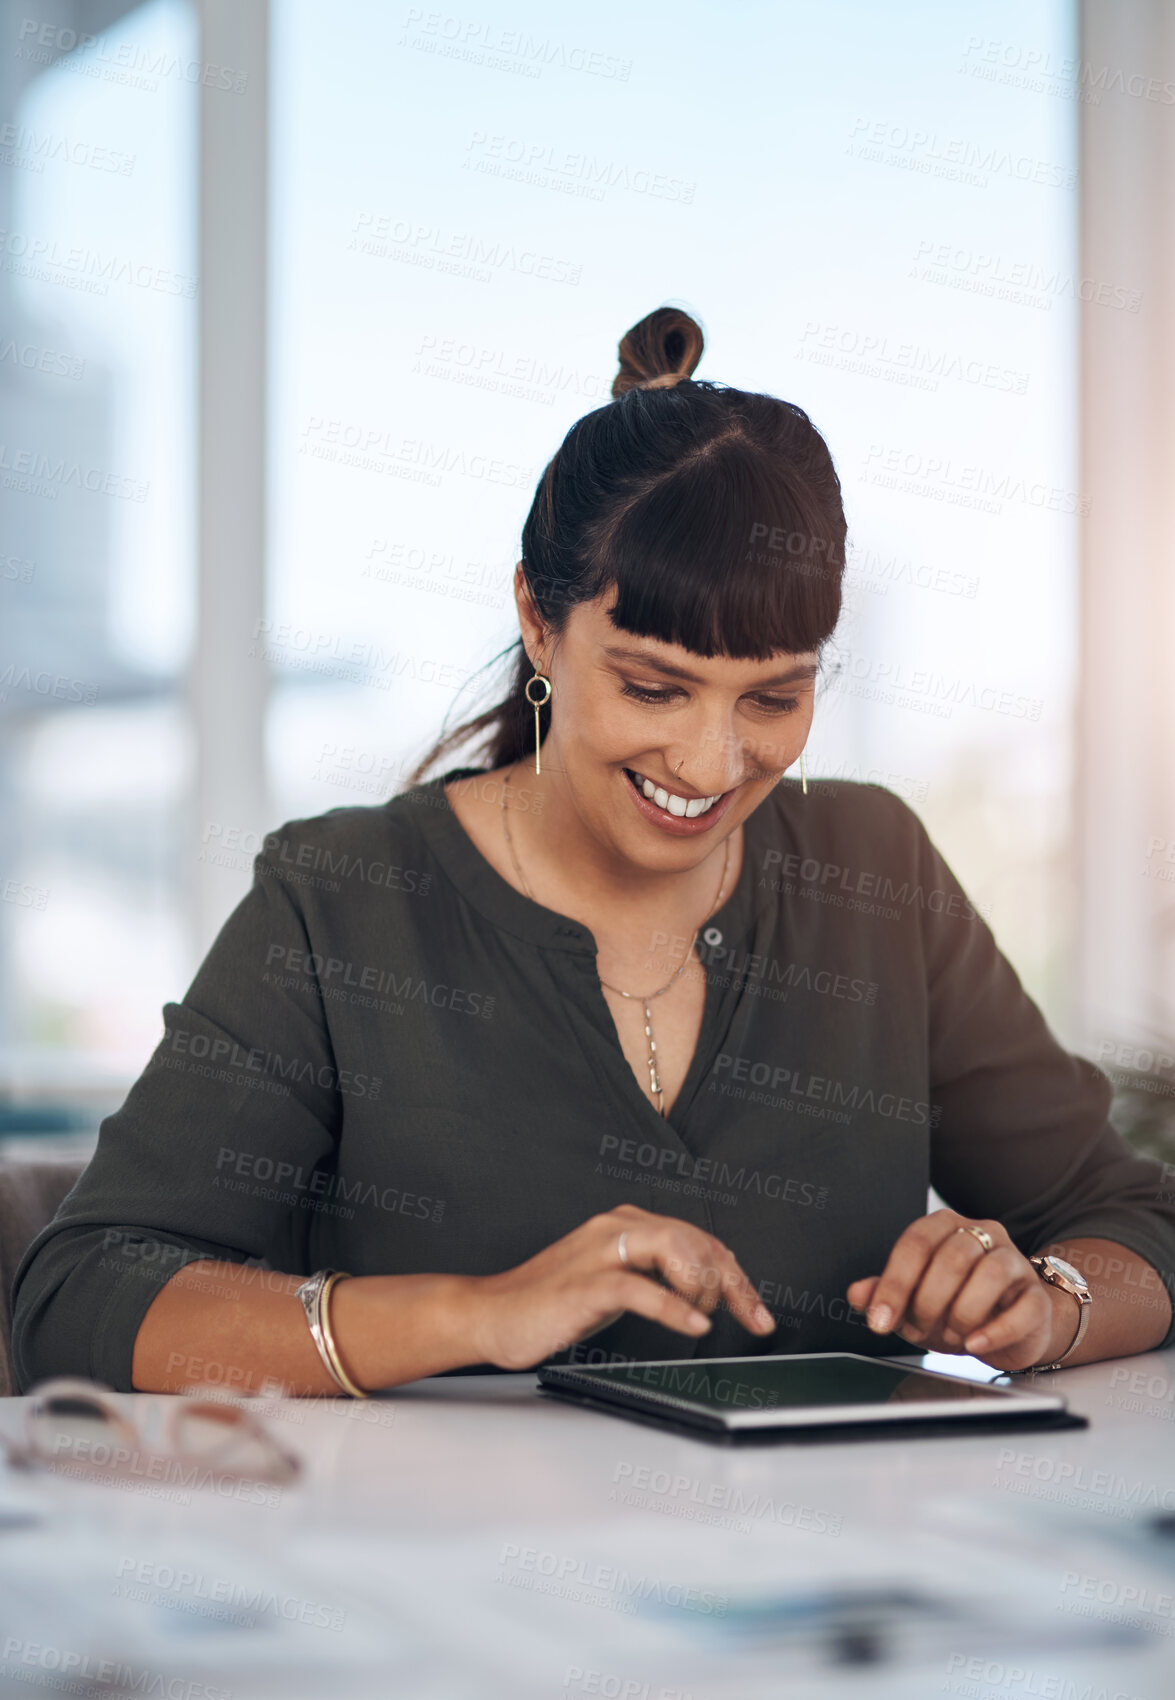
[{"x": 712, "y": 935}]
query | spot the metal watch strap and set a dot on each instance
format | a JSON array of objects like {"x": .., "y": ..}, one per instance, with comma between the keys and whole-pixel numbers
[{"x": 1084, "y": 1302}]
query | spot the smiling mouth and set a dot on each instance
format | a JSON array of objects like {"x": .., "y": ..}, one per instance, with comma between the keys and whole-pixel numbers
[{"x": 688, "y": 808}]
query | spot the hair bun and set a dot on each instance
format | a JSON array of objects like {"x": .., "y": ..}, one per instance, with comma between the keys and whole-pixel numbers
[{"x": 658, "y": 352}]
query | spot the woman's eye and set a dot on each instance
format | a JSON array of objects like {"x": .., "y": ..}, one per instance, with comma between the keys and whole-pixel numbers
[
  {"x": 646, "y": 696},
  {"x": 773, "y": 705}
]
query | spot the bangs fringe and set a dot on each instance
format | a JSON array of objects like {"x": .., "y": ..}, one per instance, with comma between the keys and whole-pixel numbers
[{"x": 732, "y": 561}]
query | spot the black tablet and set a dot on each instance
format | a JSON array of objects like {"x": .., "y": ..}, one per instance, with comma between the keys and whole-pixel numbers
[{"x": 801, "y": 1391}]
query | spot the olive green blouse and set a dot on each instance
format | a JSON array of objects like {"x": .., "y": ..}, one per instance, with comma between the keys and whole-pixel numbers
[{"x": 390, "y": 1061}]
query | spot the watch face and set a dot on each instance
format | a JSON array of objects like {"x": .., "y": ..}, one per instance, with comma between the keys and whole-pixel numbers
[{"x": 1067, "y": 1270}]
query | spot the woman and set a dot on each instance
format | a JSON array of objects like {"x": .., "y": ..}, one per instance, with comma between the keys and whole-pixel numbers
[{"x": 625, "y": 1039}]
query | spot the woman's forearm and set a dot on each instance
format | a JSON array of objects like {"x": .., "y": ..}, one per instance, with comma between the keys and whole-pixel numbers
[
  {"x": 241, "y": 1327},
  {"x": 1131, "y": 1310},
  {"x": 237, "y": 1326}
]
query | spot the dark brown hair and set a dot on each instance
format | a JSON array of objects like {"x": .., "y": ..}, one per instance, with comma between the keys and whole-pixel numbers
[{"x": 715, "y": 513}]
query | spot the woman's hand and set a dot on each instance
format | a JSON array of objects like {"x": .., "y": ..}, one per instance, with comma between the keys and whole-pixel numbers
[
  {"x": 940, "y": 1290},
  {"x": 579, "y": 1285}
]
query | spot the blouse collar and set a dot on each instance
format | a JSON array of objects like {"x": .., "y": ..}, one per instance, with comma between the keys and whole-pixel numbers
[{"x": 484, "y": 888}]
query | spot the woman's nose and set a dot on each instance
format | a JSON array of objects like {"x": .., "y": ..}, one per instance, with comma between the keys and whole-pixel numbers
[{"x": 718, "y": 761}]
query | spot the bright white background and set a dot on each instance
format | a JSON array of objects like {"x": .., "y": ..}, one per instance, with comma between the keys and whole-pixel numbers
[
  {"x": 787, "y": 173},
  {"x": 392, "y": 150}
]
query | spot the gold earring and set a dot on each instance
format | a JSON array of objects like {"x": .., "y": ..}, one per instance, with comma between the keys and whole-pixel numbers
[
  {"x": 540, "y": 678},
  {"x": 803, "y": 775}
]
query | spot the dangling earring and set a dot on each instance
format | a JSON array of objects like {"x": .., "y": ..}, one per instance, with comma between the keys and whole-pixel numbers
[
  {"x": 803, "y": 775},
  {"x": 542, "y": 679}
]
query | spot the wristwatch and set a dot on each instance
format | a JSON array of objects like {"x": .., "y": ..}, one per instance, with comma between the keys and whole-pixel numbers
[{"x": 1058, "y": 1273}]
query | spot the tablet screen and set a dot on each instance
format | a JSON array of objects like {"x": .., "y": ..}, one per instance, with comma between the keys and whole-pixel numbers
[
  {"x": 805, "y": 1390},
  {"x": 836, "y": 1381}
]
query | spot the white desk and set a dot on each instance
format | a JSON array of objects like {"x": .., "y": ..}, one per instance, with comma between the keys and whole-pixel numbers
[{"x": 439, "y": 1539}]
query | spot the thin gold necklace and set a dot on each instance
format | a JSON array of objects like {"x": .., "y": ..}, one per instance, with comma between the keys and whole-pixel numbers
[{"x": 643, "y": 998}]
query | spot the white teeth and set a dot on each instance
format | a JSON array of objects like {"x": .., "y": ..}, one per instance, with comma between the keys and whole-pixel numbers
[{"x": 691, "y": 807}]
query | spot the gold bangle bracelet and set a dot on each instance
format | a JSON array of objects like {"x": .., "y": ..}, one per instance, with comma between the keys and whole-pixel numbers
[{"x": 332, "y": 1349}]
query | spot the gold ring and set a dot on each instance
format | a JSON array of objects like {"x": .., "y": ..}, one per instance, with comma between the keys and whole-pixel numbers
[
  {"x": 981, "y": 1235},
  {"x": 621, "y": 1253}
]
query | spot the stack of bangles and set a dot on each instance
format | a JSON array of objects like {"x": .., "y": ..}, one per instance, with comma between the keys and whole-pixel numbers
[{"x": 315, "y": 1296}]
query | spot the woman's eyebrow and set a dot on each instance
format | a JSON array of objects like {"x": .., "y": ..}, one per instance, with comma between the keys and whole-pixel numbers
[{"x": 806, "y": 670}]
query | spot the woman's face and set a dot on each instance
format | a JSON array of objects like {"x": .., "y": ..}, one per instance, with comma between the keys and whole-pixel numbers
[{"x": 627, "y": 711}]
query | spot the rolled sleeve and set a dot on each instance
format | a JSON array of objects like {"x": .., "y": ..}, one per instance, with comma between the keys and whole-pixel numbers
[
  {"x": 207, "y": 1157},
  {"x": 1020, "y": 1126}
]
